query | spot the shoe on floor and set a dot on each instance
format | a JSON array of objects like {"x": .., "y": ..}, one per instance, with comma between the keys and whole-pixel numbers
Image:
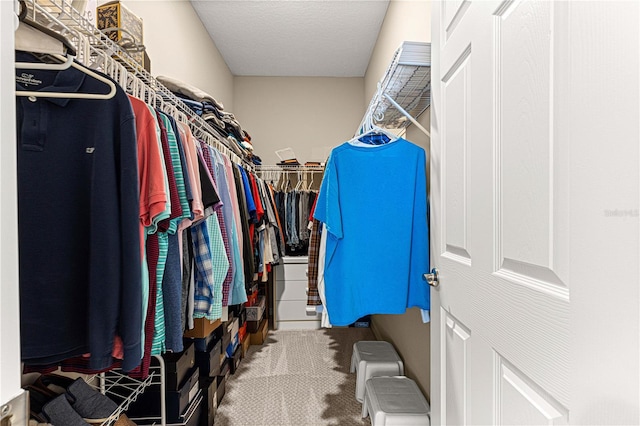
[
  {"x": 93, "y": 406},
  {"x": 59, "y": 412}
]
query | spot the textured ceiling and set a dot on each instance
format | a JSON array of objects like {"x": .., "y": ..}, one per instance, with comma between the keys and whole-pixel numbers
[{"x": 330, "y": 38}]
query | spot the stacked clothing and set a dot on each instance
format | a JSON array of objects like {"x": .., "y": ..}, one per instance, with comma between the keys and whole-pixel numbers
[{"x": 212, "y": 111}]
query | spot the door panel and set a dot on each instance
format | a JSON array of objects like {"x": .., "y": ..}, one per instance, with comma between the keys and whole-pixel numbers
[
  {"x": 454, "y": 338},
  {"x": 509, "y": 214},
  {"x": 525, "y": 146},
  {"x": 454, "y": 116},
  {"x": 522, "y": 402}
]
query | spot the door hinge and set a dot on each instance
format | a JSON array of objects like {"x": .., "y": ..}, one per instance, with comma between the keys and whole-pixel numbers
[{"x": 16, "y": 411}]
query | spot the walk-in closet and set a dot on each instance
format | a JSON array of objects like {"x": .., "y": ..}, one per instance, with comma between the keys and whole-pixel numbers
[{"x": 319, "y": 212}]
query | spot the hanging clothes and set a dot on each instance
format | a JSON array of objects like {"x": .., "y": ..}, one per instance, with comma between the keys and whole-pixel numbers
[
  {"x": 80, "y": 279},
  {"x": 155, "y": 228},
  {"x": 353, "y": 184}
]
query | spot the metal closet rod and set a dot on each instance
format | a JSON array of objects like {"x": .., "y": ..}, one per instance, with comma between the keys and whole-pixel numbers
[{"x": 289, "y": 168}]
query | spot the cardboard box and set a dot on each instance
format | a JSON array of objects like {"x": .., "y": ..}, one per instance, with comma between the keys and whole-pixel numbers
[
  {"x": 205, "y": 344},
  {"x": 253, "y": 326},
  {"x": 254, "y": 313},
  {"x": 245, "y": 345},
  {"x": 202, "y": 328},
  {"x": 259, "y": 337}
]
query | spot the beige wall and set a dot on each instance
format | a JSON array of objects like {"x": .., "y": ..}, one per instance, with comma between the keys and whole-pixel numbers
[
  {"x": 405, "y": 21},
  {"x": 180, "y": 47},
  {"x": 301, "y": 113}
]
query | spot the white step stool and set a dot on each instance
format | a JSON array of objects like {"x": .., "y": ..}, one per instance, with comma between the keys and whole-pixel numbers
[
  {"x": 372, "y": 359},
  {"x": 395, "y": 401}
]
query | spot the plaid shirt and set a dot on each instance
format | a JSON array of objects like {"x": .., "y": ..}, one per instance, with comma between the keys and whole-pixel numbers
[
  {"x": 313, "y": 298},
  {"x": 204, "y": 285},
  {"x": 228, "y": 278}
]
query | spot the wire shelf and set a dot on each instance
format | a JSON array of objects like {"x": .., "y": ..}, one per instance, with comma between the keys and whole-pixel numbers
[
  {"x": 122, "y": 389},
  {"x": 407, "y": 82},
  {"x": 61, "y": 17}
]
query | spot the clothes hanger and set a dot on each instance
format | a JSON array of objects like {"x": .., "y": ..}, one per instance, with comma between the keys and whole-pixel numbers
[
  {"x": 369, "y": 128},
  {"x": 66, "y": 62},
  {"x": 32, "y": 36},
  {"x": 106, "y": 81}
]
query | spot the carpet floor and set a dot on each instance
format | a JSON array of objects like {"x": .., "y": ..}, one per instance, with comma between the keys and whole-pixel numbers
[{"x": 296, "y": 378}]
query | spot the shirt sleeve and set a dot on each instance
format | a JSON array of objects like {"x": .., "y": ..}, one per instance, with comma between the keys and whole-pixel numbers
[
  {"x": 209, "y": 195},
  {"x": 418, "y": 291},
  {"x": 328, "y": 202},
  {"x": 130, "y": 312}
]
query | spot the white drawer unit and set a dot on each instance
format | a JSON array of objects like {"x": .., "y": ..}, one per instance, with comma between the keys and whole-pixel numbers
[{"x": 291, "y": 295}]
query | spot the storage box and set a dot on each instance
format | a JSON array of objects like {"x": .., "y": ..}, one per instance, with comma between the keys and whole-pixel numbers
[
  {"x": 235, "y": 360},
  {"x": 232, "y": 346},
  {"x": 259, "y": 337},
  {"x": 254, "y": 313},
  {"x": 236, "y": 309},
  {"x": 205, "y": 344},
  {"x": 226, "y": 340},
  {"x": 202, "y": 328},
  {"x": 243, "y": 316},
  {"x": 233, "y": 327},
  {"x": 221, "y": 380},
  {"x": 178, "y": 365},
  {"x": 178, "y": 401},
  {"x": 253, "y": 326},
  {"x": 225, "y": 370},
  {"x": 194, "y": 413},
  {"x": 208, "y": 387},
  {"x": 209, "y": 362},
  {"x": 252, "y": 298},
  {"x": 242, "y": 332},
  {"x": 115, "y": 15},
  {"x": 245, "y": 345}
]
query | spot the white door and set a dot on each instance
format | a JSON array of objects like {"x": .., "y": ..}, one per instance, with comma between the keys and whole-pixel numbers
[{"x": 534, "y": 206}]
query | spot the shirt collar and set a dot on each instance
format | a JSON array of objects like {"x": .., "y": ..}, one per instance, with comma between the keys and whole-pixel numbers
[{"x": 66, "y": 81}]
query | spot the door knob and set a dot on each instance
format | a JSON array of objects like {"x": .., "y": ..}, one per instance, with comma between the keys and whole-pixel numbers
[{"x": 432, "y": 278}]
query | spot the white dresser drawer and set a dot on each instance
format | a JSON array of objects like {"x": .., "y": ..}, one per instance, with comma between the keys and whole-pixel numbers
[
  {"x": 294, "y": 310},
  {"x": 294, "y": 272},
  {"x": 291, "y": 290}
]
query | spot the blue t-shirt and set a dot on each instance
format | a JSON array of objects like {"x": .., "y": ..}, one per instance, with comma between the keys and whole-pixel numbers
[{"x": 373, "y": 201}]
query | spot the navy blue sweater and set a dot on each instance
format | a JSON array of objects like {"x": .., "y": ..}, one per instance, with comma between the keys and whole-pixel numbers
[{"x": 80, "y": 270}]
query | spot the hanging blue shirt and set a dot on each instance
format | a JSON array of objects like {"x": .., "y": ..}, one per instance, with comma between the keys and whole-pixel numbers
[{"x": 373, "y": 201}]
